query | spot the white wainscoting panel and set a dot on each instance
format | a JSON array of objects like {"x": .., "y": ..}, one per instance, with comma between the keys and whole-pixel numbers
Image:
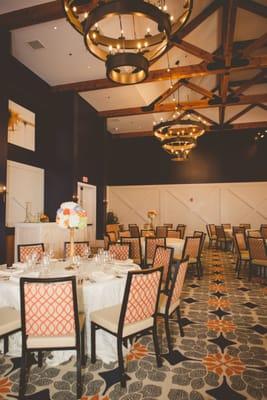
[{"x": 194, "y": 204}]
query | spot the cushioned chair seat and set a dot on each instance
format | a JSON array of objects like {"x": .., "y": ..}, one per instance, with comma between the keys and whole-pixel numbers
[
  {"x": 244, "y": 255},
  {"x": 163, "y": 302},
  {"x": 108, "y": 318},
  {"x": 34, "y": 342},
  {"x": 9, "y": 320},
  {"x": 259, "y": 262}
]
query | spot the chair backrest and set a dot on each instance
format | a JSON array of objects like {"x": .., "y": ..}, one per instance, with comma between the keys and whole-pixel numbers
[
  {"x": 163, "y": 257},
  {"x": 181, "y": 228},
  {"x": 239, "y": 229},
  {"x": 150, "y": 247},
  {"x": 192, "y": 247},
  {"x": 174, "y": 293},
  {"x": 263, "y": 231},
  {"x": 134, "y": 230},
  {"x": 254, "y": 233},
  {"x": 112, "y": 236},
  {"x": 240, "y": 241},
  {"x": 212, "y": 229},
  {"x": 106, "y": 242},
  {"x": 168, "y": 225},
  {"x": 257, "y": 248},
  {"x": 219, "y": 229},
  {"x": 135, "y": 248},
  {"x": 161, "y": 231},
  {"x": 120, "y": 251},
  {"x": 148, "y": 232},
  {"x": 141, "y": 296},
  {"x": 174, "y": 234},
  {"x": 25, "y": 250},
  {"x": 80, "y": 248},
  {"x": 49, "y": 307},
  {"x": 226, "y": 226},
  {"x": 124, "y": 234},
  {"x": 246, "y": 226}
]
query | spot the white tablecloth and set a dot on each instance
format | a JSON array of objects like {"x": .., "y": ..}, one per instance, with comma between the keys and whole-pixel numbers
[
  {"x": 92, "y": 296},
  {"x": 177, "y": 244}
]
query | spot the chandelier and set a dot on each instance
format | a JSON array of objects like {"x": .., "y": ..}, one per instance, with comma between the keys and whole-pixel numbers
[
  {"x": 126, "y": 34},
  {"x": 179, "y": 136}
]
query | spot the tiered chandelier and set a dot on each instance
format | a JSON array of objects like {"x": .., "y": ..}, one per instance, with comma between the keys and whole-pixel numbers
[
  {"x": 179, "y": 136},
  {"x": 127, "y": 34}
]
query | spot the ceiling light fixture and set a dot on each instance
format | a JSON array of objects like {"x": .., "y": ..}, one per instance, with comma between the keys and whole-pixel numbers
[{"x": 125, "y": 46}]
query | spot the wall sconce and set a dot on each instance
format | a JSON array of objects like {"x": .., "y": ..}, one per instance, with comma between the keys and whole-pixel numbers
[{"x": 3, "y": 192}]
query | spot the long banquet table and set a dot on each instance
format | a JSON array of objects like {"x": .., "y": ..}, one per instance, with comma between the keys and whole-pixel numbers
[{"x": 91, "y": 296}]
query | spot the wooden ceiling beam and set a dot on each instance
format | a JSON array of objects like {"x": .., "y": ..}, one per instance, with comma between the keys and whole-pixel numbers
[
  {"x": 188, "y": 71},
  {"x": 209, "y": 120},
  {"x": 194, "y": 50},
  {"x": 256, "y": 44},
  {"x": 170, "y": 107},
  {"x": 254, "y": 7},
  {"x": 241, "y": 113},
  {"x": 197, "y": 88},
  {"x": 249, "y": 83},
  {"x": 166, "y": 94}
]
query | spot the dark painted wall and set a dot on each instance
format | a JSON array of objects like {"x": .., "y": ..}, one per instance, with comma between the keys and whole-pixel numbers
[{"x": 218, "y": 157}]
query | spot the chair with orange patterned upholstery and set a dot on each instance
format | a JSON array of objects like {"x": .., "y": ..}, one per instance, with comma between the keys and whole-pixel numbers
[
  {"x": 134, "y": 230},
  {"x": 150, "y": 247},
  {"x": 120, "y": 251},
  {"x": 263, "y": 231},
  {"x": 136, "y": 314},
  {"x": 169, "y": 301},
  {"x": 50, "y": 321},
  {"x": 241, "y": 250},
  {"x": 147, "y": 233},
  {"x": 25, "y": 250},
  {"x": 163, "y": 257},
  {"x": 192, "y": 249},
  {"x": 257, "y": 254},
  {"x": 80, "y": 248},
  {"x": 112, "y": 237},
  {"x": 161, "y": 231},
  {"x": 135, "y": 248},
  {"x": 181, "y": 228}
]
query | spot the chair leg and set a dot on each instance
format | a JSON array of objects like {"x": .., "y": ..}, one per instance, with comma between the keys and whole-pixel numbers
[
  {"x": 198, "y": 269},
  {"x": 156, "y": 344},
  {"x": 82, "y": 348},
  {"x": 40, "y": 359},
  {"x": 79, "y": 373},
  {"x": 5, "y": 344},
  {"x": 178, "y": 313},
  {"x": 167, "y": 330},
  {"x": 23, "y": 372},
  {"x": 120, "y": 360},
  {"x": 250, "y": 271},
  {"x": 93, "y": 353}
]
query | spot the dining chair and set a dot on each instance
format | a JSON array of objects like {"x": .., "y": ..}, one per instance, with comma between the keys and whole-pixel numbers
[
  {"x": 202, "y": 235},
  {"x": 168, "y": 225},
  {"x": 135, "y": 248},
  {"x": 50, "y": 321},
  {"x": 124, "y": 234},
  {"x": 150, "y": 247},
  {"x": 181, "y": 228},
  {"x": 163, "y": 257},
  {"x": 241, "y": 250},
  {"x": 226, "y": 226},
  {"x": 161, "y": 231},
  {"x": 192, "y": 249},
  {"x": 239, "y": 229},
  {"x": 112, "y": 237},
  {"x": 80, "y": 248},
  {"x": 169, "y": 301},
  {"x": 25, "y": 250},
  {"x": 222, "y": 240},
  {"x": 263, "y": 231},
  {"x": 174, "y": 234},
  {"x": 106, "y": 242},
  {"x": 135, "y": 315},
  {"x": 254, "y": 233},
  {"x": 9, "y": 323},
  {"x": 120, "y": 251},
  {"x": 134, "y": 230},
  {"x": 246, "y": 226},
  {"x": 211, "y": 234},
  {"x": 147, "y": 232},
  {"x": 257, "y": 254}
]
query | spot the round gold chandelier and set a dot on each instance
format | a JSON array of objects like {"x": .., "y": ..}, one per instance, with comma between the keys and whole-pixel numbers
[
  {"x": 126, "y": 34},
  {"x": 179, "y": 136}
]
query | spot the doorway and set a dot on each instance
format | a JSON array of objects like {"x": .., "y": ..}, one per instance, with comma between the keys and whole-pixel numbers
[{"x": 87, "y": 200}]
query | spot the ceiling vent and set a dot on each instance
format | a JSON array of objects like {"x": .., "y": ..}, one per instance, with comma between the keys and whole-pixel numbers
[{"x": 36, "y": 45}]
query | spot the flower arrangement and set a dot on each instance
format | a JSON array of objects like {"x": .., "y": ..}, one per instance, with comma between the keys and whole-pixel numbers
[
  {"x": 71, "y": 215},
  {"x": 152, "y": 214}
]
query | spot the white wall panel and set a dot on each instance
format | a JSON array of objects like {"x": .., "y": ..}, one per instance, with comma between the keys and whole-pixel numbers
[{"x": 194, "y": 205}]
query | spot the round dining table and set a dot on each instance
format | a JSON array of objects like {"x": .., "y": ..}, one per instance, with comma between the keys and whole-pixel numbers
[{"x": 93, "y": 294}]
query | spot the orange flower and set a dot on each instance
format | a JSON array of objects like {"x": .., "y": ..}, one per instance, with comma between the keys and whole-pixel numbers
[
  {"x": 221, "y": 325},
  {"x": 217, "y": 268},
  {"x": 137, "y": 351},
  {"x": 222, "y": 303},
  {"x": 5, "y": 386},
  {"x": 217, "y": 288},
  {"x": 66, "y": 211},
  {"x": 220, "y": 277},
  {"x": 224, "y": 364}
]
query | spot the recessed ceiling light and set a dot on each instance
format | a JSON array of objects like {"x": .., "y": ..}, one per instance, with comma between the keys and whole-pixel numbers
[{"x": 55, "y": 27}]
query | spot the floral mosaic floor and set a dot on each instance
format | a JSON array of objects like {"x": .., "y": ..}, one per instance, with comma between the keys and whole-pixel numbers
[{"x": 222, "y": 356}]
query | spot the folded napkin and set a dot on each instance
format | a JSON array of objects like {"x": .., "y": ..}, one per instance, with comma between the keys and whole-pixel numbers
[{"x": 100, "y": 276}]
